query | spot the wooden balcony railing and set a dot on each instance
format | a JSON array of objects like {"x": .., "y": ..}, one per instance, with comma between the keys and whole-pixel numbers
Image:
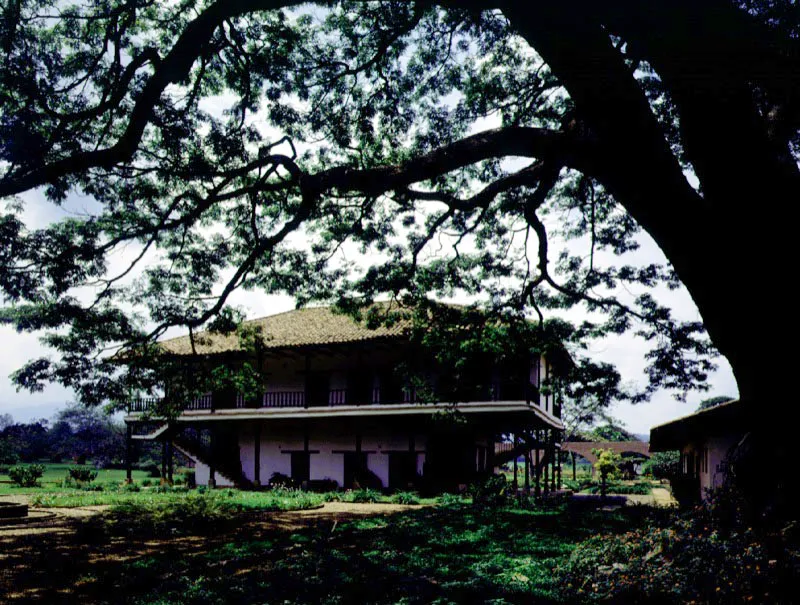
[
  {"x": 340, "y": 397},
  {"x": 285, "y": 399}
]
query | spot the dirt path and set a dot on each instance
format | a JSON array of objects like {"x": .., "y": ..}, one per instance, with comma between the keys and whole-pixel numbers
[
  {"x": 661, "y": 496},
  {"x": 59, "y": 560},
  {"x": 62, "y": 519}
]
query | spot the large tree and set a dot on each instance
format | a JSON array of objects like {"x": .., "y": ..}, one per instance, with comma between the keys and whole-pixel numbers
[{"x": 447, "y": 140}]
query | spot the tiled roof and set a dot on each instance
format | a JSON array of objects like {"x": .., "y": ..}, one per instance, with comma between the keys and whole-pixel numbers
[
  {"x": 721, "y": 419},
  {"x": 302, "y": 327}
]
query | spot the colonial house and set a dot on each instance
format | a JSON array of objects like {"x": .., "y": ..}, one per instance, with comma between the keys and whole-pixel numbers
[
  {"x": 706, "y": 441},
  {"x": 338, "y": 406}
]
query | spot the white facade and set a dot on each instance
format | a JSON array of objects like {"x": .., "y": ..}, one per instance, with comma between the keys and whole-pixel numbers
[
  {"x": 333, "y": 405},
  {"x": 708, "y": 461},
  {"x": 327, "y": 444}
]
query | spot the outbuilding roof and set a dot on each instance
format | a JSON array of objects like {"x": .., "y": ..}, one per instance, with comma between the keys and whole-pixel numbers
[{"x": 718, "y": 420}]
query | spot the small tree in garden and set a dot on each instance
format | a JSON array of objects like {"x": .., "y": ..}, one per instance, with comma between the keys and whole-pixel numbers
[
  {"x": 607, "y": 465},
  {"x": 26, "y": 475},
  {"x": 663, "y": 465},
  {"x": 82, "y": 474}
]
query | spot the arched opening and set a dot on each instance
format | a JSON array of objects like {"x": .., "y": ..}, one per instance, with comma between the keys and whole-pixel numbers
[{"x": 632, "y": 464}]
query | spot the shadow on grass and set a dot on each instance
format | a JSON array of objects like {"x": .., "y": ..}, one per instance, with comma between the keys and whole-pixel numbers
[{"x": 450, "y": 554}]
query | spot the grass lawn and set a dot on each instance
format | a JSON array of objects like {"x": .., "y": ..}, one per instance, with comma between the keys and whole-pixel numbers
[
  {"x": 54, "y": 474},
  {"x": 447, "y": 554},
  {"x": 231, "y": 499}
]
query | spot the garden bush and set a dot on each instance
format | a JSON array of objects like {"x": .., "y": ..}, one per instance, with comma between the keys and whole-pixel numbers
[
  {"x": 360, "y": 495},
  {"x": 26, "y": 475},
  {"x": 192, "y": 514},
  {"x": 281, "y": 480},
  {"x": 82, "y": 474},
  {"x": 492, "y": 491},
  {"x": 451, "y": 500},
  {"x": 686, "y": 561},
  {"x": 576, "y": 486},
  {"x": 662, "y": 465},
  {"x": 614, "y": 487},
  {"x": 405, "y": 498},
  {"x": 188, "y": 478}
]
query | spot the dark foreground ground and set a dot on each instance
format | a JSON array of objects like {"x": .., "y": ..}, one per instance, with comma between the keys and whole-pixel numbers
[{"x": 340, "y": 554}]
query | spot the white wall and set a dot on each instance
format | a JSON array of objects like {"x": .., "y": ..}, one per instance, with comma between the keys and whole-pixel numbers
[
  {"x": 714, "y": 450},
  {"x": 718, "y": 448},
  {"x": 202, "y": 472},
  {"x": 330, "y": 439}
]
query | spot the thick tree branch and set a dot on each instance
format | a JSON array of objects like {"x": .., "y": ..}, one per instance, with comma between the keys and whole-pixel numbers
[
  {"x": 174, "y": 68},
  {"x": 562, "y": 147}
]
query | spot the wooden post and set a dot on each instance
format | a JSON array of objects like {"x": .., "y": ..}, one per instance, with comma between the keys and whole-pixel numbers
[
  {"x": 412, "y": 457},
  {"x": 547, "y": 461},
  {"x": 558, "y": 483},
  {"x": 170, "y": 457},
  {"x": 574, "y": 469},
  {"x": 257, "y": 456},
  {"x": 553, "y": 460},
  {"x": 536, "y": 468},
  {"x": 307, "y": 381},
  {"x": 515, "y": 484},
  {"x": 528, "y": 472},
  {"x": 212, "y": 471},
  {"x": 163, "y": 461},
  {"x": 490, "y": 454},
  {"x": 128, "y": 454}
]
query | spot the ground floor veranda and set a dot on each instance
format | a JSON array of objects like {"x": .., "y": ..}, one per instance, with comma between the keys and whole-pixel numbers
[{"x": 436, "y": 451}]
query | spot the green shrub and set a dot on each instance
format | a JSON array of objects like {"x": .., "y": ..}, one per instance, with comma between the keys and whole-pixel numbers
[
  {"x": 662, "y": 465},
  {"x": 153, "y": 471},
  {"x": 688, "y": 560},
  {"x": 614, "y": 487},
  {"x": 26, "y": 475},
  {"x": 146, "y": 483},
  {"x": 360, "y": 495},
  {"x": 281, "y": 480},
  {"x": 493, "y": 491},
  {"x": 451, "y": 500},
  {"x": 405, "y": 498},
  {"x": 82, "y": 474},
  {"x": 576, "y": 486},
  {"x": 170, "y": 489},
  {"x": 188, "y": 478},
  {"x": 196, "y": 514}
]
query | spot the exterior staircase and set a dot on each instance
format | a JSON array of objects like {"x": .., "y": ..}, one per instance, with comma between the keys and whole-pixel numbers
[
  {"x": 225, "y": 456},
  {"x": 196, "y": 445}
]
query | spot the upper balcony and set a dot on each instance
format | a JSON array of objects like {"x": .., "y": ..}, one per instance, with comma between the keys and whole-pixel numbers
[{"x": 311, "y": 398}]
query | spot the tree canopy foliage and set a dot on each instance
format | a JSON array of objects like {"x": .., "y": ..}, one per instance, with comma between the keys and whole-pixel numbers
[
  {"x": 714, "y": 401},
  {"x": 481, "y": 148},
  {"x": 76, "y": 433}
]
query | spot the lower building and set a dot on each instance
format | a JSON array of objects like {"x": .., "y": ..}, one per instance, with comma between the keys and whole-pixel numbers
[{"x": 706, "y": 441}]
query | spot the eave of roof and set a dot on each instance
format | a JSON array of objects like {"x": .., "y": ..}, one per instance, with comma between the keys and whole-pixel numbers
[{"x": 673, "y": 435}]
